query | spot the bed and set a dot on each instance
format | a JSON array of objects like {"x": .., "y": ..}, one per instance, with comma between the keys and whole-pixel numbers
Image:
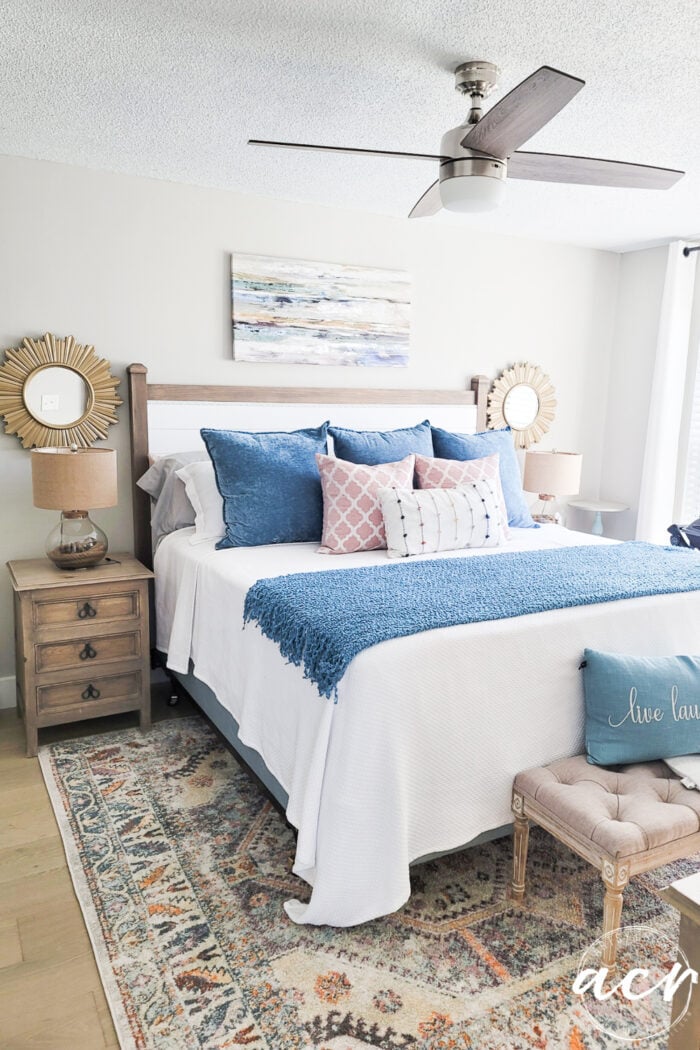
[{"x": 418, "y": 755}]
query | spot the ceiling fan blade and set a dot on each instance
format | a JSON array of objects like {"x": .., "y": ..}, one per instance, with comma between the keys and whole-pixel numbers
[
  {"x": 428, "y": 204},
  {"x": 523, "y": 111},
  {"x": 591, "y": 171},
  {"x": 348, "y": 149}
]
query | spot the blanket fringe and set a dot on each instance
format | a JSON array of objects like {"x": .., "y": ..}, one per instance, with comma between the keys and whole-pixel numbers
[{"x": 321, "y": 662}]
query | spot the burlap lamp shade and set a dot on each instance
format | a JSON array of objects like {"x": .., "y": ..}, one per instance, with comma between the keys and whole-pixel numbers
[
  {"x": 551, "y": 474},
  {"x": 84, "y": 479}
]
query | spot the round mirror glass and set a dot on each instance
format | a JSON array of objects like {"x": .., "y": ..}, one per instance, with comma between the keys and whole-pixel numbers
[
  {"x": 520, "y": 406},
  {"x": 56, "y": 396}
]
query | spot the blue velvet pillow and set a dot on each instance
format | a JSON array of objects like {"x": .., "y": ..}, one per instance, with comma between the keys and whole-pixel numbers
[
  {"x": 372, "y": 447},
  {"x": 448, "y": 445},
  {"x": 269, "y": 483},
  {"x": 640, "y": 708}
]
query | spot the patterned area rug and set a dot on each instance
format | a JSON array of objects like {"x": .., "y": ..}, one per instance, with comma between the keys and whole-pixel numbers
[{"x": 181, "y": 868}]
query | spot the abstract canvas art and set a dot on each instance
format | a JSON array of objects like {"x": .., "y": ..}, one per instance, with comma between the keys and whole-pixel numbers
[{"x": 291, "y": 311}]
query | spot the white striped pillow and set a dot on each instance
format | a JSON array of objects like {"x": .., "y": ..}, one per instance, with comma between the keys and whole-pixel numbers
[
  {"x": 433, "y": 473},
  {"x": 425, "y": 521}
]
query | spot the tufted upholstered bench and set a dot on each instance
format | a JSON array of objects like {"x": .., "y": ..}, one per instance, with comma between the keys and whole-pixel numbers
[{"x": 623, "y": 822}]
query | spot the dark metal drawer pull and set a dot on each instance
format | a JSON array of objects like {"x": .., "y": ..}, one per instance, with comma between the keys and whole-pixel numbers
[
  {"x": 90, "y": 693},
  {"x": 88, "y": 653},
  {"x": 86, "y": 611}
]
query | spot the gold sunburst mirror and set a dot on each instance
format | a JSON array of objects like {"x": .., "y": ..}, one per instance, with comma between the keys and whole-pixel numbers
[
  {"x": 56, "y": 392},
  {"x": 522, "y": 399}
]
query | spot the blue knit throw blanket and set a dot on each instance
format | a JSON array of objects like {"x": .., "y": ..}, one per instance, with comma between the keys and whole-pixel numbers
[{"x": 321, "y": 620}]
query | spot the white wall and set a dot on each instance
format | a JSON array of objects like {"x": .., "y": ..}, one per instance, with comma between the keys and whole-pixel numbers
[{"x": 140, "y": 269}]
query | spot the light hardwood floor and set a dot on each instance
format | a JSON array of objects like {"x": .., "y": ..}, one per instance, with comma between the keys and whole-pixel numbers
[{"x": 50, "y": 991}]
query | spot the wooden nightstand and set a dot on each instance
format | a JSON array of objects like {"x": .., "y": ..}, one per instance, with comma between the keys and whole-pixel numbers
[{"x": 81, "y": 642}]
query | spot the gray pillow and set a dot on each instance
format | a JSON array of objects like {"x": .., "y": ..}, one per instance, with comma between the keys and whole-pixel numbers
[
  {"x": 170, "y": 507},
  {"x": 153, "y": 480}
]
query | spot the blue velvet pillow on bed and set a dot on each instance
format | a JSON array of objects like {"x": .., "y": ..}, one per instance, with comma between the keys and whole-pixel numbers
[
  {"x": 269, "y": 483},
  {"x": 449, "y": 445},
  {"x": 640, "y": 708},
  {"x": 373, "y": 447}
]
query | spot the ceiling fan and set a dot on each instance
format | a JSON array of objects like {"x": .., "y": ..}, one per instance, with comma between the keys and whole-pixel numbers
[{"x": 476, "y": 156}]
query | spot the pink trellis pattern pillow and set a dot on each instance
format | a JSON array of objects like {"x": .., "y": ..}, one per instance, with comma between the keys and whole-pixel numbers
[
  {"x": 352, "y": 514},
  {"x": 452, "y": 473}
]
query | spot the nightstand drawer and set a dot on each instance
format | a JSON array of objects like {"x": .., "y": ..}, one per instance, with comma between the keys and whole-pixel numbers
[
  {"x": 86, "y": 608},
  {"x": 99, "y": 690},
  {"x": 87, "y": 652}
]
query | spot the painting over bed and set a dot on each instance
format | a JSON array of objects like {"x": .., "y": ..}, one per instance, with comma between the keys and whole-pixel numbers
[{"x": 291, "y": 311}]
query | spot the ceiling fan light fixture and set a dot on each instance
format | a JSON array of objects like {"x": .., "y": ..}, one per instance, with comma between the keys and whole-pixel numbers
[{"x": 471, "y": 193}]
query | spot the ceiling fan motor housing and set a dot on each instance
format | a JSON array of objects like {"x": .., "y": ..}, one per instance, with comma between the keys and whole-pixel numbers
[
  {"x": 469, "y": 180},
  {"x": 465, "y": 162}
]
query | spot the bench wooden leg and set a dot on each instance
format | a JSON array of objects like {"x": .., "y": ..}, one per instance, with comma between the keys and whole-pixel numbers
[
  {"x": 521, "y": 836},
  {"x": 615, "y": 879}
]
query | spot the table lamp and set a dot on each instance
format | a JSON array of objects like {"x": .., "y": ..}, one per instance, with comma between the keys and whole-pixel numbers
[
  {"x": 70, "y": 479},
  {"x": 551, "y": 474}
]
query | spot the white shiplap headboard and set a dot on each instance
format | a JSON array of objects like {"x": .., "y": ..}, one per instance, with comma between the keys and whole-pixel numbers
[
  {"x": 168, "y": 418},
  {"x": 174, "y": 426}
]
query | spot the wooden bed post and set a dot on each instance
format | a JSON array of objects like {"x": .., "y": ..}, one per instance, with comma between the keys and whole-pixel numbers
[
  {"x": 480, "y": 385},
  {"x": 138, "y": 426}
]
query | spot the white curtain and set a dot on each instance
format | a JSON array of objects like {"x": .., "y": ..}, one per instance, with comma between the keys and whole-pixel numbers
[{"x": 658, "y": 488}]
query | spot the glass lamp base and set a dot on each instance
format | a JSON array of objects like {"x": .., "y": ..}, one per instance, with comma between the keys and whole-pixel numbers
[
  {"x": 76, "y": 542},
  {"x": 547, "y": 512},
  {"x": 548, "y": 519}
]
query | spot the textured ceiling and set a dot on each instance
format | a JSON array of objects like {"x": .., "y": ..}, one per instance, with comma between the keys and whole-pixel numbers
[{"x": 172, "y": 89}]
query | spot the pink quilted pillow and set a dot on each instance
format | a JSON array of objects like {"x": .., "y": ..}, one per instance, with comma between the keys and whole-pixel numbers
[
  {"x": 352, "y": 513},
  {"x": 452, "y": 473}
]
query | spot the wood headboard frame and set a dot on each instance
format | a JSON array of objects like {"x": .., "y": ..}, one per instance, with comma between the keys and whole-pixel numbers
[{"x": 141, "y": 392}]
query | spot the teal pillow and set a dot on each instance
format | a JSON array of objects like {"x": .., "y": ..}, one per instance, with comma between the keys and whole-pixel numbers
[
  {"x": 269, "y": 483},
  {"x": 640, "y": 708},
  {"x": 372, "y": 447},
  {"x": 449, "y": 445}
]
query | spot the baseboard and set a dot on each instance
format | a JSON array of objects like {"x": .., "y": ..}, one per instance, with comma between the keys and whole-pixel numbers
[{"x": 7, "y": 691}]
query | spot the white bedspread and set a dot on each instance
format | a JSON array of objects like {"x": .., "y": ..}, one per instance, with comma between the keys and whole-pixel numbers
[{"x": 420, "y": 751}]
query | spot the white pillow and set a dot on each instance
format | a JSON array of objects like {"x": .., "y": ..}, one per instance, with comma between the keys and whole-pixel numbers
[
  {"x": 425, "y": 521},
  {"x": 687, "y": 767},
  {"x": 203, "y": 494}
]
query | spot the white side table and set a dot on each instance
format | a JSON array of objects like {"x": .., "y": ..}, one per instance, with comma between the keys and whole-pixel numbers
[{"x": 598, "y": 507}]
